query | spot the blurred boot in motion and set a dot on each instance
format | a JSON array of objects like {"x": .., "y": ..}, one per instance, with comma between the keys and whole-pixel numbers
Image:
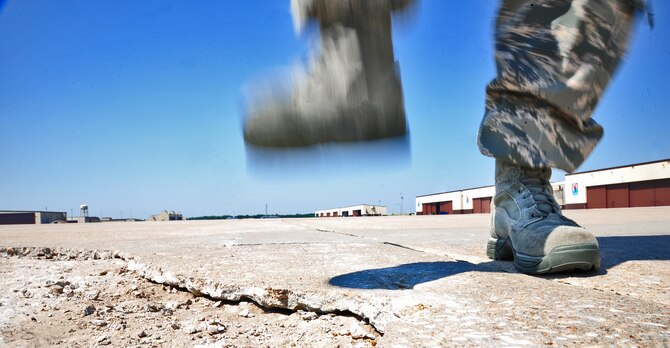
[{"x": 350, "y": 92}]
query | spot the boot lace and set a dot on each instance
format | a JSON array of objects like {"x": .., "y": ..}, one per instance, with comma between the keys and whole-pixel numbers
[{"x": 544, "y": 200}]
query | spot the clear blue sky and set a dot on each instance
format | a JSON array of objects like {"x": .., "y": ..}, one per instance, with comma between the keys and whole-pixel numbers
[{"x": 135, "y": 105}]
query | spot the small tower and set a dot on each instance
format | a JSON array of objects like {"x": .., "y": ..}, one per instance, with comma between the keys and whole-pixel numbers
[{"x": 83, "y": 210}]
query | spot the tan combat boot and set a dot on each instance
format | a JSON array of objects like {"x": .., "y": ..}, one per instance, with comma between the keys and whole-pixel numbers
[{"x": 527, "y": 225}]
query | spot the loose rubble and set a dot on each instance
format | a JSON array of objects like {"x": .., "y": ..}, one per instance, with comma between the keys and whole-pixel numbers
[{"x": 88, "y": 298}]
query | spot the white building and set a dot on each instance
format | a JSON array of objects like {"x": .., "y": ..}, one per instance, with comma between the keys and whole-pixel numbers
[
  {"x": 167, "y": 216},
  {"x": 355, "y": 210},
  {"x": 638, "y": 185},
  {"x": 475, "y": 200}
]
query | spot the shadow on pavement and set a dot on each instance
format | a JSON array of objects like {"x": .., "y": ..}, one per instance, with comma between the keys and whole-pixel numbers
[
  {"x": 617, "y": 250},
  {"x": 614, "y": 251},
  {"x": 406, "y": 276}
]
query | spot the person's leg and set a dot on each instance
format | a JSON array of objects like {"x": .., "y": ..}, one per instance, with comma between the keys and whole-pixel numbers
[
  {"x": 351, "y": 92},
  {"x": 554, "y": 59}
]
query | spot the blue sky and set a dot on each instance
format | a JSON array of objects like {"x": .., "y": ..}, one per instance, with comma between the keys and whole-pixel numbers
[{"x": 135, "y": 106}]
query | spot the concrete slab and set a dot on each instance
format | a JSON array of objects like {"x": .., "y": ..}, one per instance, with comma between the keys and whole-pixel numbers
[{"x": 419, "y": 281}]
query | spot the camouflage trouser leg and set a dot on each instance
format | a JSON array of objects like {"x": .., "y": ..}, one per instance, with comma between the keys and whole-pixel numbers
[{"x": 554, "y": 59}]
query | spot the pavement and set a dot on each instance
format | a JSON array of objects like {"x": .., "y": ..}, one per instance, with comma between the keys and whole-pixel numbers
[{"x": 417, "y": 280}]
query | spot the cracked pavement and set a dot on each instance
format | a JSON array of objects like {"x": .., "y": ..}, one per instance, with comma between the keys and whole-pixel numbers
[{"x": 398, "y": 281}]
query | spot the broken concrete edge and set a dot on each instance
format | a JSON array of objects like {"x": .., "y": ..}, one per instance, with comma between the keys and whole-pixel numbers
[
  {"x": 63, "y": 254},
  {"x": 268, "y": 299}
]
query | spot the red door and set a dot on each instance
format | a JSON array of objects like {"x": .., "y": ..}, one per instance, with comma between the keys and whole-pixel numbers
[
  {"x": 477, "y": 205},
  {"x": 450, "y": 207},
  {"x": 641, "y": 194},
  {"x": 445, "y": 208},
  {"x": 662, "y": 192},
  {"x": 617, "y": 196},
  {"x": 481, "y": 205},
  {"x": 486, "y": 205},
  {"x": 596, "y": 197}
]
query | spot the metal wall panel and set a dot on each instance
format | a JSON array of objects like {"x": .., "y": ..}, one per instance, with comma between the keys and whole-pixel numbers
[{"x": 18, "y": 218}]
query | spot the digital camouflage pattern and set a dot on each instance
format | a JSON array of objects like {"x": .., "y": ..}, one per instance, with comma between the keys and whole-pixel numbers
[{"x": 554, "y": 59}]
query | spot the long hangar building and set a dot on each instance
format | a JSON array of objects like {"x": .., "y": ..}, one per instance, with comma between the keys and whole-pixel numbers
[
  {"x": 636, "y": 185},
  {"x": 22, "y": 217}
]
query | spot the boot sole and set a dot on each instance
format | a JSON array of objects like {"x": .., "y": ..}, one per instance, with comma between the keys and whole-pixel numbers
[{"x": 580, "y": 257}]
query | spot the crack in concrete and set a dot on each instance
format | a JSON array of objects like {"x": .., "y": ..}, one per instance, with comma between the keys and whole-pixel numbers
[
  {"x": 374, "y": 240},
  {"x": 363, "y": 237},
  {"x": 341, "y": 233},
  {"x": 274, "y": 310},
  {"x": 402, "y": 246},
  {"x": 276, "y": 243},
  {"x": 267, "y": 298}
]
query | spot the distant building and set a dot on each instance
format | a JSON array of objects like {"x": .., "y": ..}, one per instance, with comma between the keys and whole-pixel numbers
[
  {"x": 11, "y": 217},
  {"x": 111, "y": 219},
  {"x": 468, "y": 201},
  {"x": 83, "y": 219},
  {"x": 356, "y": 210},
  {"x": 635, "y": 185},
  {"x": 167, "y": 216}
]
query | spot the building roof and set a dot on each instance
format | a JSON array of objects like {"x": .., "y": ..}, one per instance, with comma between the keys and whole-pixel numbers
[
  {"x": 619, "y": 167},
  {"x": 355, "y": 205},
  {"x": 30, "y": 211},
  {"x": 474, "y": 188},
  {"x": 467, "y": 189}
]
